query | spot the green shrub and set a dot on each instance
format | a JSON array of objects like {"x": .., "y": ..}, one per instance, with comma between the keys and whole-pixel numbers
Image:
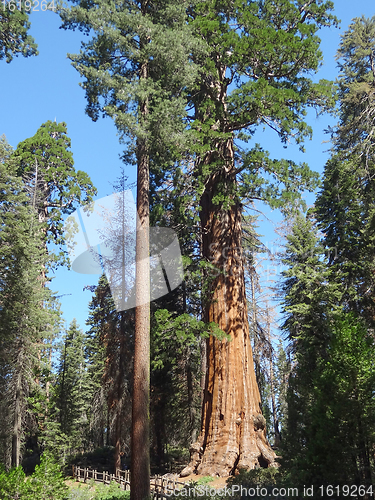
[
  {"x": 46, "y": 483},
  {"x": 177, "y": 454},
  {"x": 265, "y": 479},
  {"x": 12, "y": 483},
  {"x": 256, "y": 477},
  {"x": 201, "y": 489}
]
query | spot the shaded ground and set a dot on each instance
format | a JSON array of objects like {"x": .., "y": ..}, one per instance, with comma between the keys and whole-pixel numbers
[{"x": 212, "y": 482}]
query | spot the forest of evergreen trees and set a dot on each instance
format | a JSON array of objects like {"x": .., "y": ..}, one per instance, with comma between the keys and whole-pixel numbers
[{"x": 200, "y": 381}]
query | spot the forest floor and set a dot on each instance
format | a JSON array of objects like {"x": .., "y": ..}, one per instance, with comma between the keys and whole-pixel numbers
[
  {"x": 214, "y": 482},
  {"x": 211, "y": 482}
]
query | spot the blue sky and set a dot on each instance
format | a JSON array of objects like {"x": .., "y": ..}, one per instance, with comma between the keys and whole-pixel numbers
[{"x": 45, "y": 87}]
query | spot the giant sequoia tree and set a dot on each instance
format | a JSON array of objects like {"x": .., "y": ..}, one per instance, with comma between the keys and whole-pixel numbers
[{"x": 256, "y": 74}]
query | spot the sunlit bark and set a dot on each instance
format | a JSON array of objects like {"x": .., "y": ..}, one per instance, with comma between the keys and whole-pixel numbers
[{"x": 233, "y": 433}]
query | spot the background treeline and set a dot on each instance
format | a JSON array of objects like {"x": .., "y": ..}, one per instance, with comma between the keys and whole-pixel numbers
[
  {"x": 38, "y": 186},
  {"x": 328, "y": 293},
  {"x": 69, "y": 391}
]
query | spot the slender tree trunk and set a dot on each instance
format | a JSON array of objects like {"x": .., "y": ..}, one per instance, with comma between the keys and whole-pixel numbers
[
  {"x": 120, "y": 393},
  {"x": 62, "y": 398},
  {"x": 255, "y": 327},
  {"x": 118, "y": 441},
  {"x": 108, "y": 437},
  {"x": 190, "y": 395},
  {"x": 17, "y": 417},
  {"x": 140, "y": 454},
  {"x": 159, "y": 428},
  {"x": 233, "y": 431},
  {"x": 203, "y": 369},
  {"x": 272, "y": 386},
  {"x": 49, "y": 371},
  {"x": 364, "y": 459},
  {"x": 97, "y": 425}
]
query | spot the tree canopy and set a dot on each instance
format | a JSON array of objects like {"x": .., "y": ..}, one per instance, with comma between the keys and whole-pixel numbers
[
  {"x": 14, "y": 37},
  {"x": 45, "y": 162}
]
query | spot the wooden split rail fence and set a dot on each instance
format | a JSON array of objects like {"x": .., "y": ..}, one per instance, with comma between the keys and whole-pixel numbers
[{"x": 161, "y": 486}]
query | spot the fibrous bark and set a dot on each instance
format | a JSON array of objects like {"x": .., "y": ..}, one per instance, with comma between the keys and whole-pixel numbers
[{"x": 233, "y": 433}]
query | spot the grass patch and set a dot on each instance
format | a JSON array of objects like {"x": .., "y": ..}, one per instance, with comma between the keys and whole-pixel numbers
[{"x": 94, "y": 491}]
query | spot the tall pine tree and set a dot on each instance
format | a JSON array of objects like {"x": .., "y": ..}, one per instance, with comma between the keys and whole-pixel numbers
[
  {"x": 110, "y": 352},
  {"x": 136, "y": 68},
  {"x": 72, "y": 388},
  {"x": 23, "y": 322},
  {"x": 345, "y": 204},
  {"x": 327, "y": 434}
]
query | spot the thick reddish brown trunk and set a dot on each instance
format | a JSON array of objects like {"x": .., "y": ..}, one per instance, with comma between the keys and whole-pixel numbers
[{"x": 233, "y": 434}]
